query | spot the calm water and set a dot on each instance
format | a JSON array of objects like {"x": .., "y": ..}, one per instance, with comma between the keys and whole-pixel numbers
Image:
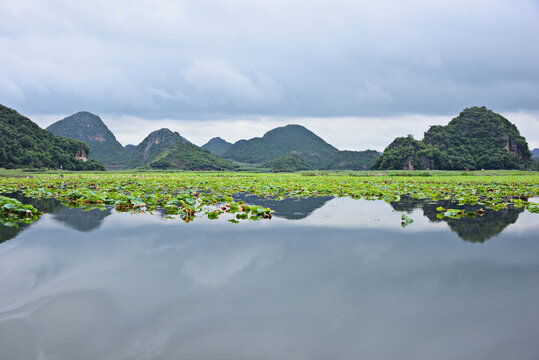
[{"x": 324, "y": 279}]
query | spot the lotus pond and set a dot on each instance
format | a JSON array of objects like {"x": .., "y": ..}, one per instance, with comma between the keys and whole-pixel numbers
[
  {"x": 173, "y": 266},
  {"x": 212, "y": 195}
]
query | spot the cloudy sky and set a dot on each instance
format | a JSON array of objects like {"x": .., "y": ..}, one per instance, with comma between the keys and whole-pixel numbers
[{"x": 358, "y": 73}]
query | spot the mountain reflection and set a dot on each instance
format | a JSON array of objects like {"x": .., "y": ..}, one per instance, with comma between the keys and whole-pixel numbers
[
  {"x": 44, "y": 205},
  {"x": 80, "y": 219},
  {"x": 75, "y": 218},
  {"x": 7, "y": 233},
  {"x": 87, "y": 220},
  {"x": 476, "y": 229},
  {"x": 291, "y": 209}
]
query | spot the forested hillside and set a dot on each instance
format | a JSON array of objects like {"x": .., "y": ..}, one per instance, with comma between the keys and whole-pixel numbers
[
  {"x": 23, "y": 144},
  {"x": 186, "y": 156},
  {"x": 153, "y": 145},
  {"x": 476, "y": 139},
  {"x": 294, "y": 148},
  {"x": 217, "y": 146},
  {"x": 279, "y": 142}
]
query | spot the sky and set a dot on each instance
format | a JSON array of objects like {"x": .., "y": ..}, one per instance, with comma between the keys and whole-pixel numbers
[{"x": 357, "y": 73}]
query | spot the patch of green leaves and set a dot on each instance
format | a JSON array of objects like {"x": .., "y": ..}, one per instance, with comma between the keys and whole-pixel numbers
[
  {"x": 191, "y": 194},
  {"x": 406, "y": 220},
  {"x": 13, "y": 212}
]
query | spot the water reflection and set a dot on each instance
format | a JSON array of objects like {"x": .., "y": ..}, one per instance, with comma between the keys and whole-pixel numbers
[
  {"x": 75, "y": 218},
  {"x": 87, "y": 220},
  {"x": 81, "y": 219},
  {"x": 142, "y": 287},
  {"x": 477, "y": 229},
  {"x": 292, "y": 209}
]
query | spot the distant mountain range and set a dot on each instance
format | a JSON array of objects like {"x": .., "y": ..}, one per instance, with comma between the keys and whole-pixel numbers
[
  {"x": 161, "y": 149},
  {"x": 476, "y": 139},
  {"x": 287, "y": 148}
]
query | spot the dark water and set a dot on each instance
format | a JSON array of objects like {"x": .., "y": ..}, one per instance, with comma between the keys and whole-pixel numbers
[{"x": 325, "y": 279}]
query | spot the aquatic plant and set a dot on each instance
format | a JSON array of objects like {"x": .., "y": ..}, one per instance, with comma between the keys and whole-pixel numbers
[
  {"x": 190, "y": 194},
  {"x": 12, "y": 211}
]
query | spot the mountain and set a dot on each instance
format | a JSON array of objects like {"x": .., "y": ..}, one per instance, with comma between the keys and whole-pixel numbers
[
  {"x": 405, "y": 153},
  {"x": 340, "y": 160},
  {"x": 187, "y": 156},
  {"x": 90, "y": 129},
  {"x": 129, "y": 148},
  {"x": 217, "y": 146},
  {"x": 155, "y": 144},
  {"x": 476, "y": 139},
  {"x": 279, "y": 142},
  {"x": 351, "y": 160},
  {"x": 287, "y": 163},
  {"x": 535, "y": 159},
  {"x": 294, "y": 147},
  {"x": 23, "y": 144}
]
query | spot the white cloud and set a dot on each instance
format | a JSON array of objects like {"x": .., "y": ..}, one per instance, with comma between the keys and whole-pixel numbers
[
  {"x": 216, "y": 81},
  {"x": 9, "y": 91},
  {"x": 163, "y": 94},
  {"x": 251, "y": 60},
  {"x": 373, "y": 93}
]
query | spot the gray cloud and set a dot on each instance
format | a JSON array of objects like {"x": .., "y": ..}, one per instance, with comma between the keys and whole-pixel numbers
[{"x": 184, "y": 59}]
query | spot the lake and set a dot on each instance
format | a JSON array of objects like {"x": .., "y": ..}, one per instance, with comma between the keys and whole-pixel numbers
[{"x": 325, "y": 278}]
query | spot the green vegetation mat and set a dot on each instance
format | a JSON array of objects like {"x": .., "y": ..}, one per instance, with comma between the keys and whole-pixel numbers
[{"x": 190, "y": 194}]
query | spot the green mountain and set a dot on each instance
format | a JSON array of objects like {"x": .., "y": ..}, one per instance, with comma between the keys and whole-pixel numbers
[
  {"x": 155, "y": 144},
  {"x": 90, "y": 129},
  {"x": 476, "y": 139},
  {"x": 187, "y": 156},
  {"x": 279, "y": 142},
  {"x": 217, "y": 146},
  {"x": 129, "y": 148},
  {"x": 535, "y": 159},
  {"x": 287, "y": 163},
  {"x": 405, "y": 153},
  {"x": 351, "y": 160},
  {"x": 293, "y": 148},
  {"x": 340, "y": 160},
  {"x": 23, "y": 144}
]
